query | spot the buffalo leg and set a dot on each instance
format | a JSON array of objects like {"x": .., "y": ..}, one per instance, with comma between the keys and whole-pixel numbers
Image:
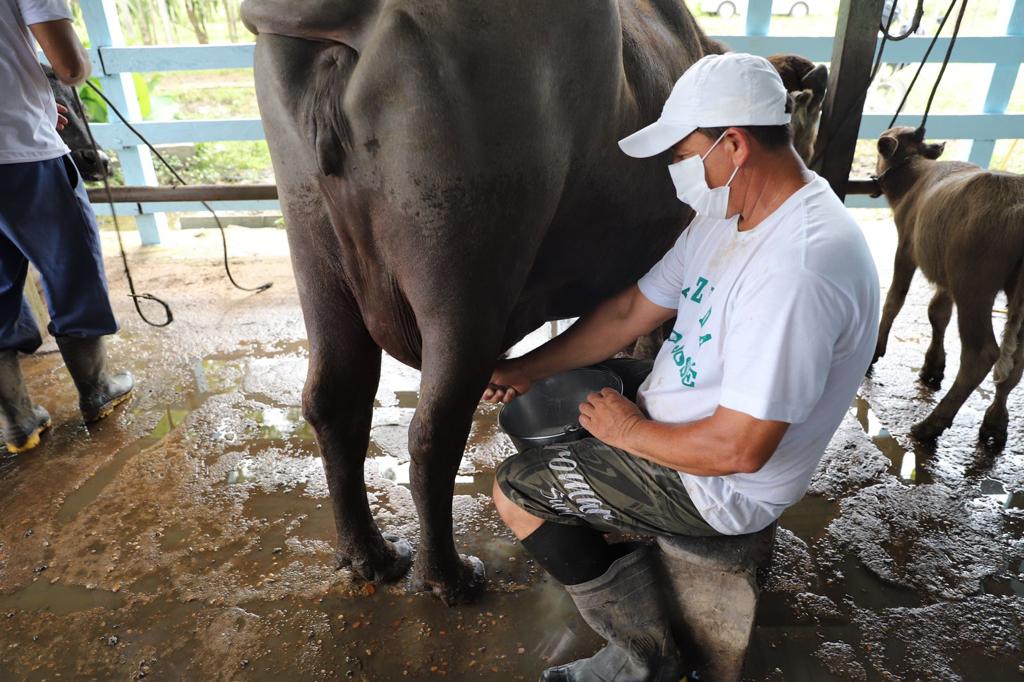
[
  {"x": 344, "y": 370},
  {"x": 978, "y": 355},
  {"x": 902, "y": 276},
  {"x": 939, "y": 311},
  {"x": 453, "y": 379}
]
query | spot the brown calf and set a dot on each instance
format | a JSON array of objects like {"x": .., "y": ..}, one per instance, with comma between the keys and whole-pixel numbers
[
  {"x": 964, "y": 227},
  {"x": 806, "y": 83}
]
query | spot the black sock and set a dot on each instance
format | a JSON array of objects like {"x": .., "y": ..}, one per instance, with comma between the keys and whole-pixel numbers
[{"x": 572, "y": 554}]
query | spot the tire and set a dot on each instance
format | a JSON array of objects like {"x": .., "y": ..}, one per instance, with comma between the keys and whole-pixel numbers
[
  {"x": 799, "y": 10},
  {"x": 726, "y": 10}
]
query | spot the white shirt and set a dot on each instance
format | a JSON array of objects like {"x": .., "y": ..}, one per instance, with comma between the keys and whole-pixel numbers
[
  {"x": 778, "y": 322},
  {"x": 28, "y": 116}
]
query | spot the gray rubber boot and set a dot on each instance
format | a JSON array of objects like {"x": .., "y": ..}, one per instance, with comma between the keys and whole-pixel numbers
[
  {"x": 627, "y": 608},
  {"x": 22, "y": 421},
  {"x": 99, "y": 392}
]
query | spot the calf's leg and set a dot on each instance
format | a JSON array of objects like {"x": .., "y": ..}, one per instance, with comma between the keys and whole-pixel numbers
[
  {"x": 903, "y": 275},
  {"x": 993, "y": 428},
  {"x": 939, "y": 311},
  {"x": 978, "y": 354}
]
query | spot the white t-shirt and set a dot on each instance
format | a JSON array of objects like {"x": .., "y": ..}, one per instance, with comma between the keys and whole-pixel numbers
[
  {"x": 778, "y": 322},
  {"x": 28, "y": 116}
]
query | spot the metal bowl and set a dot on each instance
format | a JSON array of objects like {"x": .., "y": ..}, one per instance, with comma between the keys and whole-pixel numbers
[{"x": 550, "y": 411}]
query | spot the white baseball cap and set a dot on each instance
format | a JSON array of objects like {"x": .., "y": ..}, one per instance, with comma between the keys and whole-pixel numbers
[{"x": 718, "y": 91}]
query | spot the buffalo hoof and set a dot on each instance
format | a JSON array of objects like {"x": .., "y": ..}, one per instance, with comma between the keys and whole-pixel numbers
[
  {"x": 932, "y": 377},
  {"x": 928, "y": 430},
  {"x": 388, "y": 567},
  {"x": 459, "y": 589},
  {"x": 992, "y": 434}
]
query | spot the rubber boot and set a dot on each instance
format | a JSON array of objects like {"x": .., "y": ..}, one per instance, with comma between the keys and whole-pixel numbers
[
  {"x": 22, "y": 422},
  {"x": 99, "y": 392},
  {"x": 627, "y": 608}
]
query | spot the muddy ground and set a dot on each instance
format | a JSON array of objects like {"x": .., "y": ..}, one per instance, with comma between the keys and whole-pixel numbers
[{"x": 190, "y": 536}]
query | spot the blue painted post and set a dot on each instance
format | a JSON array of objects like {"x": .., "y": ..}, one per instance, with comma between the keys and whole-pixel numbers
[
  {"x": 759, "y": 17},
  {"x": 1004, "y": 77},
  {"x": 105, "y": 31}
]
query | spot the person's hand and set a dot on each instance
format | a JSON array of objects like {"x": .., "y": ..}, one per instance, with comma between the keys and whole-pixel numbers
[
  {"x": 609, "y": 416},
  {"x": 62, "y": 117},
  {"x": 507, "y": 381}
]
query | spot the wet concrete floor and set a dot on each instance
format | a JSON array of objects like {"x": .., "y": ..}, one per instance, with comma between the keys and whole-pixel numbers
[{"x": 190, "y": 536}]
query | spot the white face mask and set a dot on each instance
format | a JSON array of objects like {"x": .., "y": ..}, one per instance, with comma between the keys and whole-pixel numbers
[{"x": 692, "y": 186}]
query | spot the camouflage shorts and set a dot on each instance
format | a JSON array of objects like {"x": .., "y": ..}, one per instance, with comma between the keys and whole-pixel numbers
[{"x": 590, "y": 483}]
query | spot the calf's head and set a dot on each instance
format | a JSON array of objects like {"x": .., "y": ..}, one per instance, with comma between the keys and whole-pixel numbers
[
  {"x": 806, "y": 84},
  {"x": 93, "y": 164},
  {"x": 898, "y": 146},
  {"x": 897, "y": 149}
]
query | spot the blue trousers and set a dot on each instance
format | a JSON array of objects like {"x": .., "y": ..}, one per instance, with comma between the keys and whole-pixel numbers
[{"x": 46, "y": 219}]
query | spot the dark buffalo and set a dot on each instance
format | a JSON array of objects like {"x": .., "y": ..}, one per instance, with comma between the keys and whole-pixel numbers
[
  {"x": 92, "y": 164},
  {"x": 450, "y": 181}
]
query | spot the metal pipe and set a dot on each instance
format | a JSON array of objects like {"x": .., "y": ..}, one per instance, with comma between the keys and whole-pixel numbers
[{"x": 144, "y": 194}]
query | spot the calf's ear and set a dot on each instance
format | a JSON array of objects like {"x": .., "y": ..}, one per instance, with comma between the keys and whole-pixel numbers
[
  {"x": 887, "y": 146},
  {"x": 933, "y": 151},
  {"x": 802, "y": 99}
]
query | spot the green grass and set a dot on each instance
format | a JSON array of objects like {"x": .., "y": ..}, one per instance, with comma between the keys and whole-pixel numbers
[{"x": 222, "y": 162}]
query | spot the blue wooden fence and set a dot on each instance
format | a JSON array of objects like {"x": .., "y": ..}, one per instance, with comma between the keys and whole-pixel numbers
[{"x": 114, "y": 63}]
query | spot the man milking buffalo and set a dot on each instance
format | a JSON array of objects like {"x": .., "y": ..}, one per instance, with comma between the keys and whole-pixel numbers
[
  {"x": 46, "y": 220},
  {"x": 775, "y": 298}
]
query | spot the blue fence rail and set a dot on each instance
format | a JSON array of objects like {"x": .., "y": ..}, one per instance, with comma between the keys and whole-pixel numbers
[{"x": 115, "y": 63}]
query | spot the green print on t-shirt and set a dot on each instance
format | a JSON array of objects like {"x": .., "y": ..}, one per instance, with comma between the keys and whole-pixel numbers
[{"x": 686, "y": 364}]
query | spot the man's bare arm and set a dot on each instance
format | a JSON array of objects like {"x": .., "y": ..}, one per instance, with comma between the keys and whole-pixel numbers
[
  {"x": 64, "y": 50},
  {"x": 727, "y": 442},
  {"x": 597, "y": 336}
]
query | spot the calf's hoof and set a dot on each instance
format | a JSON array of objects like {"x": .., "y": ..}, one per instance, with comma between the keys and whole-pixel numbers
[
  {"x": 929, "y": 429},
  {"x": 992, "y": 434},
  {"x": 382, "y": 567},
  {"x": 461, "y": 588}
]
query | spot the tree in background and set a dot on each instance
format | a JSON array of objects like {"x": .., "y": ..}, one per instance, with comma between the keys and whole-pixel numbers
[{"x": 153, "y": 22}]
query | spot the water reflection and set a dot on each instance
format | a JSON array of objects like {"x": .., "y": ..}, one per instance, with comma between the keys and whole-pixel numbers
[
  {"x": 903, "y": 462},
  {"x": 397, "y": 471},
  {"x": 994, "y": 489}
]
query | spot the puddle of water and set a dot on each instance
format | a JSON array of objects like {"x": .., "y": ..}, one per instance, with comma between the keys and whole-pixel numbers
[
  {"x": 994, "y": 489},
  {"x": 59, "y": 599},
  {"x": 397, "y": 471},
  {"x": 277, "y": 423},
  {"x": 903, "y": 462},
  {"x": 172, "y": 418},
  {"x": 809, "y": 517}
]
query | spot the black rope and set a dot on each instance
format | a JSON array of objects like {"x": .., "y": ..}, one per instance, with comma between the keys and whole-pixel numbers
[
  {"x": 223, "y": 234},
  {"x": 914, "y": 24},
  {"x": 945, "y": 62},
  {"x": 136, "y": 297},
  {"x": 924, "y": 60}
]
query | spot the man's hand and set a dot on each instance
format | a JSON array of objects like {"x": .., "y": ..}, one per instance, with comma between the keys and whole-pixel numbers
[
  {"x": 507, "y": 381},
  {"x": 62, "y": 117},
  {"x": 609, "y": 417}
]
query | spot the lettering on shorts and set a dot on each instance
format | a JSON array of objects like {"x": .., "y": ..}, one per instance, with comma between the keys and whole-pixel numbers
[{"x": 578, "y": 498}]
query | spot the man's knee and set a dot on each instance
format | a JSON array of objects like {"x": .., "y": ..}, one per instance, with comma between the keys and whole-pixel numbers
[{"x": 519, "y": 521}]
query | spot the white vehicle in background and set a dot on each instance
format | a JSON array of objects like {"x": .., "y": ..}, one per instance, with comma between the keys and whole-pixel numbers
[{"x": 730, "y": 8}]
